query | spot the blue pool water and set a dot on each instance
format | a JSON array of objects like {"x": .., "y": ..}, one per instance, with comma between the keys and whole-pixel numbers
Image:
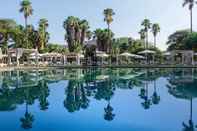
[{"x": 99, "y": 100}]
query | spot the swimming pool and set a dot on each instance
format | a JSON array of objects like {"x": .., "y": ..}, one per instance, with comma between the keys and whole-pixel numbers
[{"x": 98, "y": 100}]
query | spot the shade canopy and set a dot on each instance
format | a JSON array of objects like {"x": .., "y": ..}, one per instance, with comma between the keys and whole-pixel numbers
[
  {"x": 126, "y": 54},
  {"x": 139, "y": 57},
  {"x": 35, "y": 54},
  {"x": 80, "y": 55},
  {"x": 167, "y": 54},
  {"x": 147, "y": 52},
  {"x": 51, "y": 55},
  {"x": 101, "y": 54}
]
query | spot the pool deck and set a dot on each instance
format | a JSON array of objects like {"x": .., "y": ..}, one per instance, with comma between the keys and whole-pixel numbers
[{"x": 84, "y": 67}]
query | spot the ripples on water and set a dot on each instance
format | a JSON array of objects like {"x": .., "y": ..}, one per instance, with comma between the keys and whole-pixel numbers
[{"x": 99, "y": 100}]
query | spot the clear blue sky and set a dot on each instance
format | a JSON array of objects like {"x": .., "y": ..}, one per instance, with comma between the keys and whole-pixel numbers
[{"x": 129, "y": 14}]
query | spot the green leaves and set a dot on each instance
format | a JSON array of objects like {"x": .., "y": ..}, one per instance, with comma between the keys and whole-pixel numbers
[
  {"x": 108, "y": 13},
  {"x": 182, "y": 39},
  {"x": 26, "y": 8},
  {"x": 190, "y": 3},
  {"x": 147, "y": 25},
  {"x": 76, "y": 32},
  {"x": 155, "y": 29},
  {"x": 103, "y": 38},
  {"x": 43, "y": 34}
]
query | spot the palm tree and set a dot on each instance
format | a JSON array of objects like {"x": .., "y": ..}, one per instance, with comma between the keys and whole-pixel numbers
[
  {"x": 108, "y": 13},
  {"x": 155, "y": 31},
  {"x": 43, "y": 24},
  {"x": 143, "y": 36},
  {"x": 76, "y": 30},
  {"x": 27, "y": 10},
  {"x": 190, "y": 3},
  {"x": 84, "y": 27},
  {"x": 147, "y": 25}
]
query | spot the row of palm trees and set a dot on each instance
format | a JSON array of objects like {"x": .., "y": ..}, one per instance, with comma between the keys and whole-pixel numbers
[
  {"x": 144, "y": 32},
  {"x": 43, "y": 35},
  {"x": 27, "y": 10},
  {"x": 77, "y": 30}
]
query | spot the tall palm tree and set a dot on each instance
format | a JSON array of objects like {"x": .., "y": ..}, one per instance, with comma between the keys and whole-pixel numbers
[
  {"x": 27, "y": 10},
  {"x": 155, "y": 31},
  {"x": 75, "y": 32},
  {"x": 147, "y": 25},
  {"x": 43, "y": 24},
  {"x": 143, "y": 36},
  {"x": 108, "y": 18},
  {"x": 84, "y": 29},
  {"x": 191, "y": 4}
]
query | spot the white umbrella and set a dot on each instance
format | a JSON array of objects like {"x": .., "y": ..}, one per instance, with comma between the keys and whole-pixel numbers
[
  {"x": 147, "y": 52},
  {"x": 35, "y": 54},
  {"x": 80, "y": 55},
  {"x": 126, "y": 54},
  {"x": 34, "y": 57},
  {"x": 167, "y": 54},
  {"x": 102, "y": 55},
  {"x": 139, "y": 57}
]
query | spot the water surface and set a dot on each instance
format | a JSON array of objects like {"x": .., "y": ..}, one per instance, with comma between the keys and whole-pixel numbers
[{"x": 99, "y": 100}]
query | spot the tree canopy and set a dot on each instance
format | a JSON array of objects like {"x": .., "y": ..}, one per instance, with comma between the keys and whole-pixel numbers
[{"x": 182, "y": 40}]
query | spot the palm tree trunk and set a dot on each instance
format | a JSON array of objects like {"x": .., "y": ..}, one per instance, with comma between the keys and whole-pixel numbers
[
  {"x": 109, "y": 38},
  {"x": 155, "y": 85},
  {"x": 109, "y": 42},
  {"x": 191, "y": 111},
  {"x": 146, "y": 46},
  {"x": 26, "y": 22},
  {"x": 26, "y": 108},
  {"x": 147, "y": 40},
  {"x": 191, "y": 20},
  {"x": 154, "y": 47},
  {"x": 26, "y": 32},
  {"x": 144, "y": 43}
]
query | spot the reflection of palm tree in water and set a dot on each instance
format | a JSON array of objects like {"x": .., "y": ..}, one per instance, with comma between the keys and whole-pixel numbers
[
  {"x": 155, "y": 97},
  {"x": 28, "y": 119},
  {"x": 109, "y": 115},
  {"x": 75, "y": 97},
  {"x": 147, "y": 102},
  {"x": 190, "y": 125},
  {"x": 144, "y": 94},
  {"x": 44, "y": 93}
]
